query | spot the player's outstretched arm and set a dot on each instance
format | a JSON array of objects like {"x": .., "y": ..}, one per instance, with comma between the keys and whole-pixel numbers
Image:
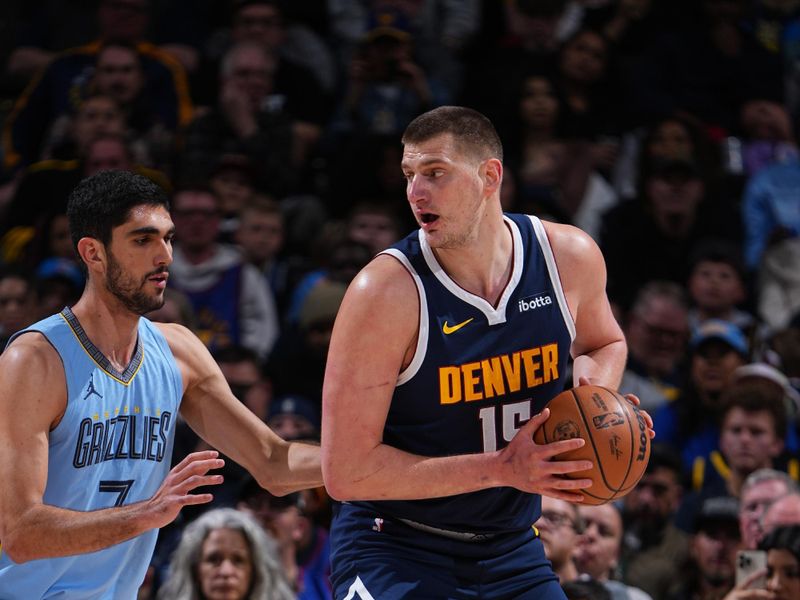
[
  {"x": 217, "y": 416},
  {"x": 30, "y": 529},
  {"x": 374, "y": 336}
]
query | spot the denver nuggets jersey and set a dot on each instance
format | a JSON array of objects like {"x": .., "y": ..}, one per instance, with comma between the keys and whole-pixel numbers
[
  {"x": 479, "y": 372},
  {"x": 112, "y": 447}
]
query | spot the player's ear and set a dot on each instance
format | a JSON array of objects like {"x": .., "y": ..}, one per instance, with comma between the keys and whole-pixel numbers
[
  {"x": 92, "y": 253},
  {"x": 492, "y": 173}
]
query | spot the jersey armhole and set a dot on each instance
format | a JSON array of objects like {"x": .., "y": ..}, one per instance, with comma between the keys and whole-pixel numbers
[{"x": 423, "y": 326}]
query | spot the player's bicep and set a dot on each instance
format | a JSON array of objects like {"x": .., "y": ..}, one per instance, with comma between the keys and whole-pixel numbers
[
  {"x": 374, "y": 328},
  {"x": 28, "y": 410}
]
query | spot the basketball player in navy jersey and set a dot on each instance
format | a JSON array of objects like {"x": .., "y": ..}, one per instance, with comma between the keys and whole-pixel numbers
[
  {"x": 89, "y": 400},
  {"x": 445, "y": 352}
]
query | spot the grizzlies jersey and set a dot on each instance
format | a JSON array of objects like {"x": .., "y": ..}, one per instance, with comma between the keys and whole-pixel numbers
[
  {"x": 112, "y": 447},
  {"x": 478, "y": 373}
]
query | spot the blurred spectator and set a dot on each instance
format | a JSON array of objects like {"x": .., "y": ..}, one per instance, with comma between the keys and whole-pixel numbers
[
  {"x": 177, "y": 308},
  {"x": 556, "y": 175},
  {"x": 709, "y": 571},
  {"x": 718, "y": 287},
  {"x": 442, "y": 29},
  {"x": 17, "y": 303},
  {"x": 245, "y": 122},
  {"x": 652, "y": 547},
  {"x": 294, "y": 418},
  {"x": 242, "y": 370},
  {"x": 559, "y": 528},
  {"x": 585, "y": 589},
  {"x": 233, "y": 181},
  {"x": 657, "y": 331},
  {"x": 303, "y": 543},
  {"x": 778, "y": 288},
  {"x": 689, "y": 423},
  {"x": 591, "y": 105},
  {"x": 783, "y": 562},
  {"x": 59, "y": 282},
  {"x": 226, "y": 551},
  {"x": 761, "y": 488},
  {"x": 671, "y": 215},
  {"x": 297, "y": 365},
  {"x": 598, "y": 551},
  {"x": 69, "y": 76},
  {"x": 386, "y": 88},
  {"x": 374, "y": 225},
  {"x": 45, "y": 186},
  {"x": 260, "y": 236},
  {"x": 767, "y": 134},
  {"x": 229, "y": 297},
  {"x": 784, "y": 511},
  {"x": 752, "y": 433},
  {"x": 707, "y": 67}
]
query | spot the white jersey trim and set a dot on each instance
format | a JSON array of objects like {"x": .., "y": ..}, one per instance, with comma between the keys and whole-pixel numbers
[
  {"x": 423, "y": 331},
  {"x": 358, "y": 589},
  {"x": 552, "y": 269},
  {"x": 494, "y": 315}
]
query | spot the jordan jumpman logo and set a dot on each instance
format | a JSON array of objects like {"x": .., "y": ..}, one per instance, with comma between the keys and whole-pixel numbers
[{"x": 90, "y": 390}]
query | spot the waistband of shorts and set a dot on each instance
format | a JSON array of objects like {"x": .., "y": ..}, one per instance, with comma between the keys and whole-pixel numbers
[{"x": 462, "y": 536}]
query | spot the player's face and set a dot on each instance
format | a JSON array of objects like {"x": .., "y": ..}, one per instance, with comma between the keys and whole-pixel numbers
[
  {"x": 138, "y": 257},
  {"x": 445, "y": 190},
  {"x": 754, "y": 503},
  {"x": 225, "y": 571},
  {"x": 748, "y": 440}
]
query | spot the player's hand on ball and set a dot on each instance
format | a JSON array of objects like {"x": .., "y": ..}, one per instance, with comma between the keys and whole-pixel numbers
[
  {"x": 531, "y": 468},
  {"x": 633, "y": 399}
]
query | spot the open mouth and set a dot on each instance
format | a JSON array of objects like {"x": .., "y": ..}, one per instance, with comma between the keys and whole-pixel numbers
[{"x": 428, "y": 218}]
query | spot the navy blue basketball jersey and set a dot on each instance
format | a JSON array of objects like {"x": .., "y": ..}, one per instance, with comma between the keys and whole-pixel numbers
[
  {"x": 112, "y": 447},
  {"x": 479, "y": 372}
]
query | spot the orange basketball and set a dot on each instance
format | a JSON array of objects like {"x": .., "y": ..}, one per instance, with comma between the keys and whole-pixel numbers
[{"x": 616, "y": 439}]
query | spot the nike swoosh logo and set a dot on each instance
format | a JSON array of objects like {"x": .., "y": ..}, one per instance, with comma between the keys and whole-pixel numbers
[{"x": 448, "y": 329}]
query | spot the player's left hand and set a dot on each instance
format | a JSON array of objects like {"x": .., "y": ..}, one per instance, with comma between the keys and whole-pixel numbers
[{"x": 633, "y": 399}]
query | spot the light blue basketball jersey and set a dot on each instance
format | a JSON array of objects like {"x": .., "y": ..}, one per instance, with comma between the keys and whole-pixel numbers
[{"x": 112, "y": 447}]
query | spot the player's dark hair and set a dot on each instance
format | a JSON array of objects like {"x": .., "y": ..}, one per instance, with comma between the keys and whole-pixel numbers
[
  {"x": 104, "y": 201},
  {"x": 472, "y": 131}
]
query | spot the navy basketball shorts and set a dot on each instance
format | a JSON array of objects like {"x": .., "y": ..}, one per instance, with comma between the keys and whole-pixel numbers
[{"x": 383, "y": 559}]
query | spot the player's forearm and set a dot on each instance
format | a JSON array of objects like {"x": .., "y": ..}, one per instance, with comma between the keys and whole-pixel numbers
[
  {"x": 388, "y": 473},
  {"x": 45, "y": 531},
  {"x": 292, "y": 466},
  {"x": 603, "y": 366}
]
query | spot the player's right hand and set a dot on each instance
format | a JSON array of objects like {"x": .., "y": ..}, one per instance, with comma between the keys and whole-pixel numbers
[
  {"x": 175, "y": 491},
  {"x": 532, "y": 470}
]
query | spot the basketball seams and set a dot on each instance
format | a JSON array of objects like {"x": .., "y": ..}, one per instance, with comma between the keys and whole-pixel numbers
[{"x": 594, "y": 449}]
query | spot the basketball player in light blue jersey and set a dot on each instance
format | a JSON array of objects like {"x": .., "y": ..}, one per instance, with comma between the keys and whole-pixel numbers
[
  {"x": 89, "y": 400},
  {"x": 445, "y": 352}
]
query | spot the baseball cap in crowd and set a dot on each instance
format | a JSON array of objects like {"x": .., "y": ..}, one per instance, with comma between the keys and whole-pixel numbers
[
  {"x": 389, "y": 24},
  {"x": 294, "y": 417},
  {"x": 718, "y": 513},
  {"x": 723, "y": 331},
  {"x": 770, "y": 373},
  {"x": 322, "y": 304},
  {"x": 61, "y": 268}
]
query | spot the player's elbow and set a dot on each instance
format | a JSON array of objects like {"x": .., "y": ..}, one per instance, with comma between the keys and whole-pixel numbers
[
  {"x": 337, "y": 482},
  {"x": 15, "y": 546}
]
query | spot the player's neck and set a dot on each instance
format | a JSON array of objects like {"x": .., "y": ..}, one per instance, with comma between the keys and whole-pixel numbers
[
  {"x": 111, "y": 327},
  {"x": 484, "y": 266}
]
